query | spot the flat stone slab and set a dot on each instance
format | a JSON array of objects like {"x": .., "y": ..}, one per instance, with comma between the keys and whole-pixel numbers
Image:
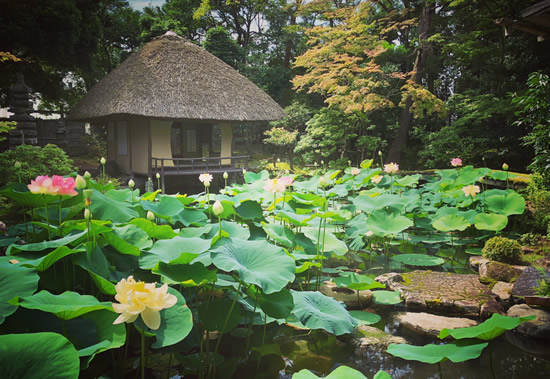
[
  {"x": 538, "y": 328},
  {"x": 430, "y": 324},
  {"x": 370, "y": 340},
  {"x": 443, "y": 293},
  {"x": 347, "y": 296}
]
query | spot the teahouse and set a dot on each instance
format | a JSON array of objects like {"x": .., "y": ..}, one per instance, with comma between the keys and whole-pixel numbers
[{"x": 163, "y": 105}]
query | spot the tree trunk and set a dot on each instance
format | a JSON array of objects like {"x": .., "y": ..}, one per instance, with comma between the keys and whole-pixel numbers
[{"x": 406, "y": 117}]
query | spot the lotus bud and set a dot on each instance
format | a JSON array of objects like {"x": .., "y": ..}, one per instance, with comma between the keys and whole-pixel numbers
[
  {"x": 315, "y": 164},
  {"x": 87, "y": 214},
  {"x": 379, "y": 153},
  {"x": 87, "y": 175},
  {"x": 17, "y": 165},
  {"x": 349, "y": 163},
  {"x": 505, "y": 167},
  {"x": 80, "y": 183},
  {"x": 369, "y": 234},
  {"x": 322, "y": 181},
  {"x": 278, "y": 160},
  {"x": 88, "y": 193},
  {"x": 157, "y": 175},
  {"x": 322, "y": 163},
  {"x": 244, "y": 171},
  {"x": 217, "y": 208},
  {"x": 131, "y": 183},
  {"x": 225, "y": 175},
  {"x": 150, "y": 216},
  {"x": 102, "y": 160},
  {"x": 110, "y": 181}
]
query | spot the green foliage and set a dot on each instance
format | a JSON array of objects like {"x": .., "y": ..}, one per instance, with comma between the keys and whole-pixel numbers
[
  {"x": 5, "y": 127},
  {"x": 502, "y": 249},
  {"x": 218, "y": 41},
  {"x": 534, "y": 115},
  {"x": 537, "y": 194},
  {"x": 544, "y": 282},
  {"x": 47, "y": 160}
]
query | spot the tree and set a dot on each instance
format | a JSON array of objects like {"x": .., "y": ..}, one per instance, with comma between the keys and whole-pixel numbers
[{"x": 219, "y": 42}]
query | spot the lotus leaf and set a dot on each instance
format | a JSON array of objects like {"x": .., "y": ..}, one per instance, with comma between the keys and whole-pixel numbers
[
  {"x": 459, "y": 351},
  {"x": 328, "y": 242},
  {"x": 490, "y": 221},
  {"x": 387, "y": 297},
  {"x": 317, "y": 311},
  {"x": 104, "y": 207},
  {"x": 256, "y": 262},
  {"x": 38, "y": 355},
  {"x": 15, "y": 280},
  {"x": 175, "y": 323},
  {"x": 216, "y": 315},
  {"x": 66, "y": 306},
  {"x": 166, "y": 208},
  {"x": 365, "y": 318},
  {"x": 170, "y": 250},
  {"x": 280, "y": 234},
  {"x": 341, "y": 372},
  {"x": 187, "y": 275},
  {"x": 383, "y": 223},
  {"x": 506, "y": 204},
  {"x": 451, "y": 222},
  {"x": 418, "y": 260},
  {"x": 487, "y": 330},
  {"x": 357, "y": 282},
  {"x": 250, "y": 210}
]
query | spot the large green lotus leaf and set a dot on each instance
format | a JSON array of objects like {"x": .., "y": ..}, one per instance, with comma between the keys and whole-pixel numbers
[
  {"x": 386, "y": 297},
  {"x": 408, "y": 181},
  {"x": 38, "y": 355},
  {"x": 418, "y": 260},
  {"x": 317, "y": 311},
  {"x": 161, "y": 232},
  {"x": 280, "y": 234},
  {"x": 394, "y": 203},
  {"x": 511, "y": 203},
  {"x": 109, "y": 336},
  {"x": 95, "y": 262},
  {"x": 311, "y": 199},
  {"x": 292, "y": 218},
  {"x": 228, "y": 209},
  {"x": 195, "y": 232},
  {"x": 382, "y": 223},
  {"x": 175, "y": 323},
  {"x": 251, "y": 177},
  {"x": 328, "y": 242},
  {"x": 15, "y": 280},
  {"x": 487, "y": 330},
  {"x": 45, "y": 262},
  {"x": 340, "y": 190},
  {"x": 218, "y": 316},
  {"x": 190, "y": 216},
  {"x": 278, "y": 305},
  {"x": 40, "y": 246},
  {"x": 128, "y": 239},
  {"x": 341, "y": 215},
  {"x": 250, "y": 210},
  {"x": 341, "y": 372},
  {"x": 490, "y": 221},
  {"x": 256, "y": 262},
  {"x": 187, "y": 275},
  {"x": 310, "y": 185},
  {"x": 170, "y": 250},
  {"x": 66, "y": 306},
  {"x": 232, "y": 228},
  {"x": 451, "y": 222},
  {"x": 366, "y": 163},
  {"x": 166, "y": 208},
  {"x": 365, "y": 318},
  {"x": 106, "y": 208},
  {"x": 20, "y": 193},
  {"x": 357, "y": 282},
  {"x": 459, "y": 351},
  {"x": 469, "y": 175}
]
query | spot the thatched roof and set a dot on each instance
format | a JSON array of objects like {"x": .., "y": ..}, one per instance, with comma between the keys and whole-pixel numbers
[{"x": 172, "y": 78}]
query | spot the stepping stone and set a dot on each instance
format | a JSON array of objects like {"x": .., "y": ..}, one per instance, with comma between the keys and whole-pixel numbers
[
  {"x": 430, "y": 324},
  {"x": 442, "y": 292},
  {"x": 538, "y": 328},
  {"x": 347, "y": 296}
]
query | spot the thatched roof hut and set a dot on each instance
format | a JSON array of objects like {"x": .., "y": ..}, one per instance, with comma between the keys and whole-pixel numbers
[
  {"x": 173, "y": 78},
  {"x": 164, "y": 105}
]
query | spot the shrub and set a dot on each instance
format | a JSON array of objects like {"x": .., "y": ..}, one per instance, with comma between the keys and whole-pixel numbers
[
  {"x": 502, "y": 249},
  {"x": 35, "y": 160},
  {"x": 537, "y": 219}
]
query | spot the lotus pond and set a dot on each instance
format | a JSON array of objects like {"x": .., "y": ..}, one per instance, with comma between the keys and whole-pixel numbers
[{"x": 118, "y": 283}]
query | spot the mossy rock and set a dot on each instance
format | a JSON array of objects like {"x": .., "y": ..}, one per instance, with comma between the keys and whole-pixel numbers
[{"x": 492, "y": 272}]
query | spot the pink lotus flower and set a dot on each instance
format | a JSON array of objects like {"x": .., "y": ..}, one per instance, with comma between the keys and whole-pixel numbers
[
  {"x": 274, "y": 186},
  {"x": 286, "y": 180},
  {"x": 391, "y": 168},
  {"x": 470, "y": 190},
  {"x": 355, "y": 171},
  {"x": 456, "y": 162},
  {"x": 42, "y": 185},
  {"x": 65, "y": 186}
]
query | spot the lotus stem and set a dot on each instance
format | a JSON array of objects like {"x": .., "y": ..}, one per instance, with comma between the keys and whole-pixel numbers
[
  {"x": 227, "y": 318},
  {"x": 59, "y": 207},
  {"x": 439, "y": 370},
  {"x": 47, "y": 217},
  {"x": 142, "y": 349},
  {"x": 263, "y": 340}
]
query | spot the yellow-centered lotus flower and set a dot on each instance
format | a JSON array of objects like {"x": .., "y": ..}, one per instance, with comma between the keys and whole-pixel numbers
[{"x": 141, "y": 298}]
